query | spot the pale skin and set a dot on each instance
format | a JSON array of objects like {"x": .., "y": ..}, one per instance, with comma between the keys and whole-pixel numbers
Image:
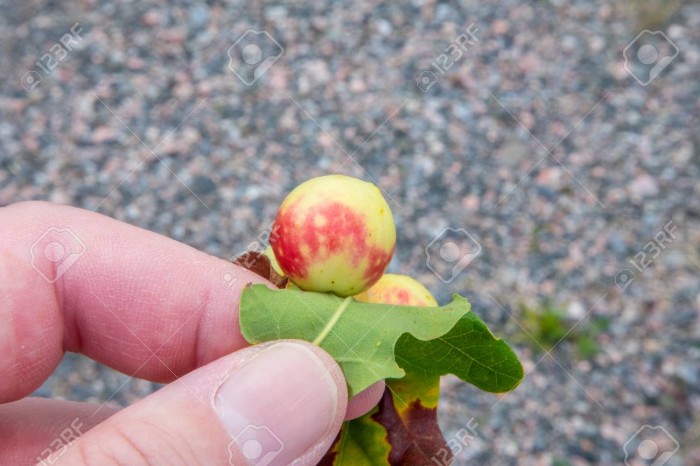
[{"x": 131, "y": 294}]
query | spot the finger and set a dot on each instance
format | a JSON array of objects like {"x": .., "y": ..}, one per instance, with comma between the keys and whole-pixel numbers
[
  {"x": 73, "y": 280},
  {"x": 33, "y": 428},
  {"x": 271, "y": 404},
  {"x": 365, "y": 400}
]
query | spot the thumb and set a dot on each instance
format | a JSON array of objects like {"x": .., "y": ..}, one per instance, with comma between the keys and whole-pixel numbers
[{"x": 270, "y": 404}]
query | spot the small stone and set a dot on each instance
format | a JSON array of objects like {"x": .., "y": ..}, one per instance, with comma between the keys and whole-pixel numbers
[
  {"x": 384, "y": 27},
  {"x": 103, "y": 134},
  {"x": 203, "y": 185},
  {"x": 689, "y": 373},
  {"x": 576, "y": 310},
  {"x": 151, "y": 18},
  {"x": 198, "y": 17},
  {"x": 500, "y": 27},
  {"x": 643, "y": 186}
]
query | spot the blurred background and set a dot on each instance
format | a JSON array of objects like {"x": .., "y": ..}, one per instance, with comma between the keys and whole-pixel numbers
[{"x": 555, "y": 142}]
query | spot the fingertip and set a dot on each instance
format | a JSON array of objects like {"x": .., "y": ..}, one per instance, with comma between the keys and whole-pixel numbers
[
  {"x": 302, "y": 407},
  {"x": 363, "y": 402}
]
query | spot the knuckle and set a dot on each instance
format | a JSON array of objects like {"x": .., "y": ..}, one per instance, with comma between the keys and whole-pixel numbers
[{"x": 140, "y": 443}]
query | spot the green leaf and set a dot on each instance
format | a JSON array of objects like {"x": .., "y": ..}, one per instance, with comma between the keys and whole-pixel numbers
[
  {"x": 361, "y": 442},
  {"x": 368, "y": 340},
  {"x": 360, "y": 336},
  {"x": 469, "y": 350},
  {"x": 378, "y": 341},
  {"x": 414, "y": 386}
]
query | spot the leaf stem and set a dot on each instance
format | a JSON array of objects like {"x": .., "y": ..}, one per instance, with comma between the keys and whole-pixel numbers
[{"x": 334, "y": 320}]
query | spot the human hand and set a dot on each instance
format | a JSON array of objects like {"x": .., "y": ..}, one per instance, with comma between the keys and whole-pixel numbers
[{"x": 155, "y": 309}]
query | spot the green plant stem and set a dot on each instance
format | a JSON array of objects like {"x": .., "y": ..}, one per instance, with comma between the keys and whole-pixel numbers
[{"x": 334, "y": 320}]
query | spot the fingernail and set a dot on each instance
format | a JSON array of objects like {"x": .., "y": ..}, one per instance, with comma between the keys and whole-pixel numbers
[{"x": 279, "y": 404}]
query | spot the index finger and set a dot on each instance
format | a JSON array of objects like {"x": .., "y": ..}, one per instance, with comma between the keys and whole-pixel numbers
[{"x": 141, "y": 303}]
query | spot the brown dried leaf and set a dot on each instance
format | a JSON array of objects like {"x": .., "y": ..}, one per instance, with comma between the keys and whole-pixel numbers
[
  {"x": 401, "y": 431},
  {"x": 260, "y": 264},
  {"x": 414, "y": 434}
]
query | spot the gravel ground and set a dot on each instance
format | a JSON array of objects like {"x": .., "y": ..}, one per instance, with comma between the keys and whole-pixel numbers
[{"x": 536, "y": 141}]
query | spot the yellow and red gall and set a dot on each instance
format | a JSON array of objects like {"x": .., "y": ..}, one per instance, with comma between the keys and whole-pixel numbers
[
  {"x": 335, "y": 234},
  {"x": 398, "y": 289}
]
